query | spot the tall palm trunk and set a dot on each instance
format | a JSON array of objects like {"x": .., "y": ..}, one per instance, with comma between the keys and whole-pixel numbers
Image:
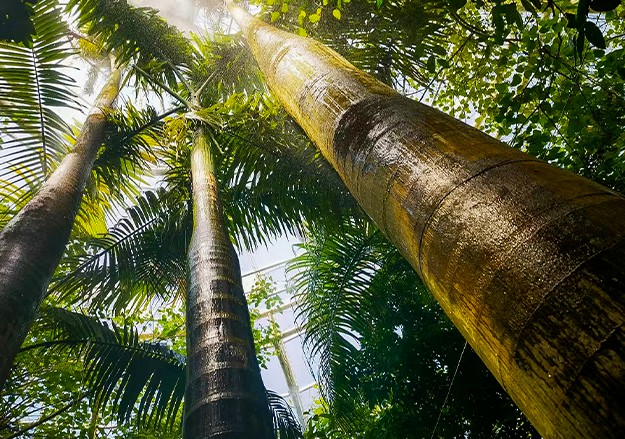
[
  {"x": 32, "y": 243},
  {"x": 225, "y": 396},
  {"x": 528, "y": 260}
]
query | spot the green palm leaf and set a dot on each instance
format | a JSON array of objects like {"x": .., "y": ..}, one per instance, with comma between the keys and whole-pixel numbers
[
  {"x": 134, "y": 376},
  {"x": 34, "y": 89},
  {"x": 285, "y": 423},
  {"x": 272, "y": 179},
  {"x": 345, "y": 281},
  {"x": 142, "y": 256},
  {"x": 131, "y": 139},
  {"x": 137, "y": 36}
]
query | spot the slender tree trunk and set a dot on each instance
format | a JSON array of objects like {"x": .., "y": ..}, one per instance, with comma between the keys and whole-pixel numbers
[
  {"x": 33, "y": 242},
  {"x": 527, "y": 259},
  {"x": 225, "y": 396}
]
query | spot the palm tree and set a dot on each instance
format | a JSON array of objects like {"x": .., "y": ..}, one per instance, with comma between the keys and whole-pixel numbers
[
  {"x": 524, "y": 258},
  {"x": 225, "y": 396},
  {"x": 42, "y": 227},
  {"x": 224, "y": 393}
]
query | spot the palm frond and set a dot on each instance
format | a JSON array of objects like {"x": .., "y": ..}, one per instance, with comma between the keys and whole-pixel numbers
[
  {"x": 142, "y": 256},
  {"x": 228, "y": 64},
  {"x": 344, "y": 281},
  {"x": 272, "y": 179},
  {"x": 34, "y": 87},
  {"x": 331, "y": 278},
  {"x": 139, "y": 380},
  {"x": 144, "y": 379},
  {"x": 285, "y": 424},
  {"x": 137, "y": 35},
  {"x": 128, "y": 150},
  {"x": 15, "y": 194}
]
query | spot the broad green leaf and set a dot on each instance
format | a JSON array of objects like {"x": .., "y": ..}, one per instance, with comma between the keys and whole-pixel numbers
[
  {"x": 457, "y": 4},
  {"x": 594, "y": 35},
  {"x": 529, "y": 7}
]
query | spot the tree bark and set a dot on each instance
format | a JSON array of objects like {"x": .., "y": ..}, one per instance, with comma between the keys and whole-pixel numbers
[
  {"x": 225, "y": 397},
  {"x": 526, "y": 259},
  {"x": 32, "y": 243}
]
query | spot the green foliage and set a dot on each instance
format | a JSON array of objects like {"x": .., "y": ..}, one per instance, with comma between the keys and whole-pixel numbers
[
  {"x": 285, "y": 424},
  {"x": 120, "y": 368},
  {"x": 137, "y": 35},
  {"x": 226, "y": 62},
  {"x": 263, "y": 295},
  {"x": 536, "y": 93},
  {"x": 34, "y": 86},
  {"x": 391, "y": 39},
  {"x": 143, "y": 256},
  {"x": 139, "y": 383},
  {"x": 272, "y": 178},
  {"x": 131, "y": 137},
  {"x": 360, "y": 300}
]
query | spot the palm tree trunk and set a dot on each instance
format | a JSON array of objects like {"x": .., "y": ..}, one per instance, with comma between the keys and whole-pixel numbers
[
  {"x": 32, "y": 243},
  {"x": 528, "y": 260},
  {"x": 225, "y": 396}
]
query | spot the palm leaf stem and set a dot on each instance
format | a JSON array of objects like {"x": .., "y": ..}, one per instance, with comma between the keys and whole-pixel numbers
[
  {"x": 164, "y": 86},
  {"x": 199, "y": 91},
  {"x": 102, "y": 253},
  {"x": 179, "y": 75},
  {"x": 151, "y": 123},
  {"x": 102, "y": 343},
  {"x": 42, "y": 125}
]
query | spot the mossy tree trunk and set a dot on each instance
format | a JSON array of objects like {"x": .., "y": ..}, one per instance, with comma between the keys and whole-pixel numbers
[
  {"x": 528, "y": 260},
  {"x": 225, "y": 397},
  {"x": 32, "y": 243}
]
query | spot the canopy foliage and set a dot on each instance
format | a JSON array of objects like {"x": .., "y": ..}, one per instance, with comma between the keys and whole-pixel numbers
[{"x": 546, "y": 76}]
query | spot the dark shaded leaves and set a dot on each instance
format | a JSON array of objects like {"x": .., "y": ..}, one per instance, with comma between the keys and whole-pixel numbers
[
  {"x": 285, "y": 424},
  {"x": 604, "y": 5},
  {"x": 16, "y": 24},
  {"x": 594, "y": 35}
]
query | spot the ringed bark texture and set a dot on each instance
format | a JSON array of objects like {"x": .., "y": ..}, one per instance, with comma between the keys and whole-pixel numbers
[
  {"x": 32, "y": 243},
  {"x": 225, "y": 397},
  {"x": 526, "y": 259}
]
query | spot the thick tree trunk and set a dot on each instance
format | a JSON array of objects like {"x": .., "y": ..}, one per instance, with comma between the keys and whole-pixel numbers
[
  {"x": 33, "y": 242},
  {"x": 225, "y": 397},
  {"x": 528, "y": 260}
]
